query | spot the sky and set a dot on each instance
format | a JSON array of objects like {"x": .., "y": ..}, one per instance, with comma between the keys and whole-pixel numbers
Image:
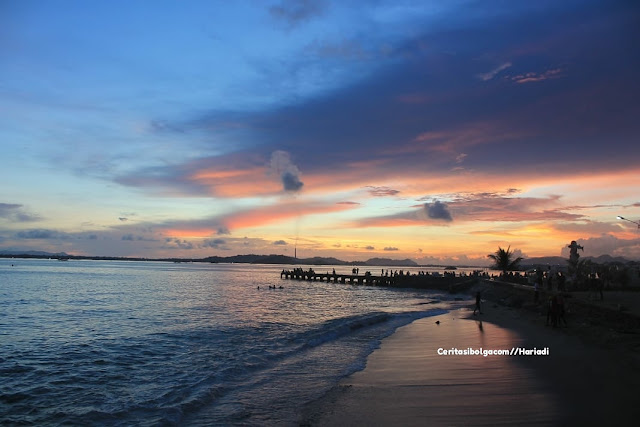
[{"x": 430, "y": 130}]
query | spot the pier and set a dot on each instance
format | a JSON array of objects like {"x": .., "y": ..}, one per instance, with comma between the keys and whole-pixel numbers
[
  {"x": 449, "y": 282},
  {"x": 355, "y": 279}
]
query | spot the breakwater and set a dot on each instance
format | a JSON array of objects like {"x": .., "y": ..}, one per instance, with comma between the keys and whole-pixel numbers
[{"x": 449, "y": 282}]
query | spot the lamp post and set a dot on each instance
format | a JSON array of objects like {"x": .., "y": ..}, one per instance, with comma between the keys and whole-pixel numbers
[{"x": 623, "y": 218}]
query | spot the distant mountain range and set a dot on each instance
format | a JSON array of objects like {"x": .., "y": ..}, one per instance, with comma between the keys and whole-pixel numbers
[
  {"x": 283, "y": 259},
  {"x": 33, "y": 254},
  {"x": 243, "y": 259},
  {"x": 557, "y": 260}
]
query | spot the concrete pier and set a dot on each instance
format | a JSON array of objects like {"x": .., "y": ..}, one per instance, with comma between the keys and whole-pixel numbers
[
  {"x": 448, "y": 282},
  {"x": 356, "y": 279}
]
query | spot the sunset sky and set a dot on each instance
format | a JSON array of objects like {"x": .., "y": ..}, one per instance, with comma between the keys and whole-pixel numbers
[{"x": 431, "y": 130}]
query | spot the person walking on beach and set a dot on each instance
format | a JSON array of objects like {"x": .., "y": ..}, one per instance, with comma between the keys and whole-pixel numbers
[{"x": 478, "y": 301}]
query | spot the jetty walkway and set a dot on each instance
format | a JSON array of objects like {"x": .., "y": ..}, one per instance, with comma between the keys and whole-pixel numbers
[
  {"x": 356, "y": 279},
  {"x": 449, "y": 282}
]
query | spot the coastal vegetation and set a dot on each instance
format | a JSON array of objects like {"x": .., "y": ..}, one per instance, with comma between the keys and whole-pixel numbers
[{"x": 504, "y": 260}]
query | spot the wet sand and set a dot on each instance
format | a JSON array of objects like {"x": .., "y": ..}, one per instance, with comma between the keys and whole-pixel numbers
[{"x": 406, "y": 382}]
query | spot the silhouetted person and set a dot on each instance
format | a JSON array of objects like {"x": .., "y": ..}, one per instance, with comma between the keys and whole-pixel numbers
[
  {"x": 552, "y": 311},
  {"x": 537, "y": 285},
  {"x": 561, "y": 281},
  {"x": 600, "y": 287},
  {"x": 561, "y": 311},
  {"x": 478, "y": 302}
]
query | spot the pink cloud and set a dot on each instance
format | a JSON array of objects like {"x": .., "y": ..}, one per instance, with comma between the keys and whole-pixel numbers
[{"x": 537, "y": 77}]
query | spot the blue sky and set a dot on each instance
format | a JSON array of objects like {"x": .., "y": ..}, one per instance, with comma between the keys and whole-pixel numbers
[{"x": 427, "y": 130}]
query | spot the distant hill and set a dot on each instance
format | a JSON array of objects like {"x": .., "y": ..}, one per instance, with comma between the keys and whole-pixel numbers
[
  {"x": 34, "y": 254},
  {"x": 274, "y": 259},
  {"x": 391, "y": 262},
  {"x": 602, "y": 259},
  {"x": 547, "y": 260},
  {"x": 284, "y": 259},
  {"x": 558, "y": 260}
]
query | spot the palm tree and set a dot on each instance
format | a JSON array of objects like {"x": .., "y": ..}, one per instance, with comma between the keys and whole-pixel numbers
[{"x": 502, "y": 260}]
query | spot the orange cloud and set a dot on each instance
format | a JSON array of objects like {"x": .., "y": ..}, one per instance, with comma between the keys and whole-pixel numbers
[
  {"x": 190, "y": 233},
  {"x": 281, "y": 212},
  {"x": 537, "y": 77},
  {"x": 237, "y": 183}
]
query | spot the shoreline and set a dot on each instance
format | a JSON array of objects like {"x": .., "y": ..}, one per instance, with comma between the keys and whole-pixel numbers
[{"x": 585, "y": 380}]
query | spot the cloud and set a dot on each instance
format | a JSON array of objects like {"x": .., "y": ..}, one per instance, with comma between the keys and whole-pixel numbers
[
  {"x": 460, "y": 158},
  {"x": 438, "y": 210},
  {"x": 382, "y": 191},
  {"x": 291, "y": 182},
  {"x": 289, "y": 173},
  {"x": 39, "y": 234},
  {"x": 250, "y": 217},
  {"x": 390, "y": 249},
  {"x": 180, "y": 244},
  {"x": 295, "y": 12},
  {"x": 486, "y": 206},
  {"x": 361, "y": 119},
  {"x": 531, "y": 77},
  {"x": 14, "y": 212},
  {"x": 123, "y": 219},
  {"x": 130, "y": 237},
  {"x": 370, "y": 248},
  {"x": 214, "y": 243},
  {"x": 491, "y": 74},
  {"x": 280, "y": 243},
  {"x": 504, "y": 207},
  {"x": 607, "y": 244},
  {"x": 8, "y": 208},
  {"x": 280, "y": 212}
]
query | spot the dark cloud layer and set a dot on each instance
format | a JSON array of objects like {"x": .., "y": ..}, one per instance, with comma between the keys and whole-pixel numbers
[
  {"x": 39, "y": 234},
  {"x": 548, "y": 87},
  {"x": 16, "y": 213},
  {"x": 438, "y": 210},
  {"x": 579, "y": 63},
  {"x": 214, "y": 243}
]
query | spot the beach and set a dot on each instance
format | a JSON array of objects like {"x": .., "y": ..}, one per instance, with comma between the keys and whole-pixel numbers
[{"x": 406, "y": 382}]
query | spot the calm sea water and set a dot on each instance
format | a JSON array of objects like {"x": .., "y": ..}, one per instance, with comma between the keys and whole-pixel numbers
[{"x": 151, "y": 343}]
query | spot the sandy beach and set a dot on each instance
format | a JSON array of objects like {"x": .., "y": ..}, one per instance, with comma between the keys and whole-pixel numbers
[{"x": 406, "y": 382}]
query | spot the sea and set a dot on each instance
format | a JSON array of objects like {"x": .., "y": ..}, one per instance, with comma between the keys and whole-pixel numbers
[{"x": 122, "y": 343}]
